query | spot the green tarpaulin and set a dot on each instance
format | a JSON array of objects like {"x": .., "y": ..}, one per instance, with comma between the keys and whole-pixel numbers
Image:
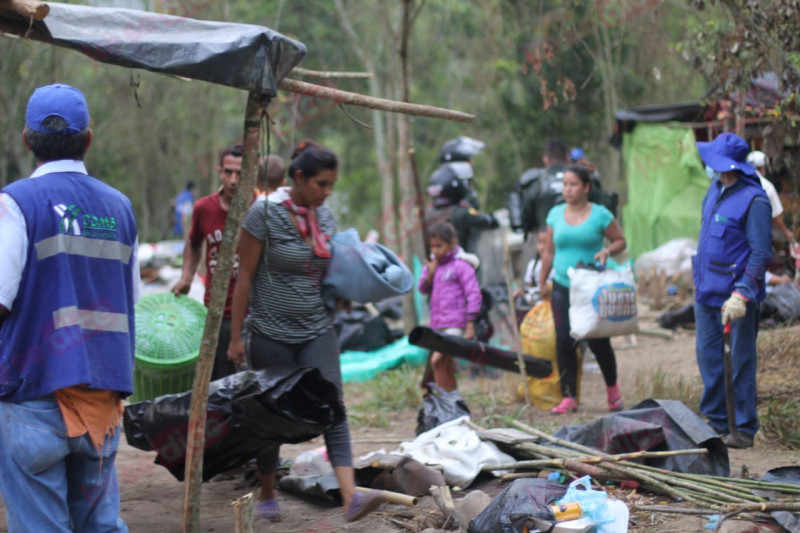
[
  {"x": 666, "y": 185},
  {"x": 363, "y": 366}
]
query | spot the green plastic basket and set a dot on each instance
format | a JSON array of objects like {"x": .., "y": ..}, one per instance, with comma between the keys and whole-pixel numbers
[{"x": 168, "y": 334}]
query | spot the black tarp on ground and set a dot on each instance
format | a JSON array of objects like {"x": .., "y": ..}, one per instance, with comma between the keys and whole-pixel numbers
[
  {"x": 783, "y": 474},
  {"x": 247, "y": 411},
  {"x": 655, "y": 425},
  {"x": 243, "y": 56}
]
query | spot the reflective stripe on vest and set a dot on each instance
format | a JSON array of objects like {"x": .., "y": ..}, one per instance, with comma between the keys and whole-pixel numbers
[
  {"x": 76, "y": 245},
  {"x": 96, "y": 320}
]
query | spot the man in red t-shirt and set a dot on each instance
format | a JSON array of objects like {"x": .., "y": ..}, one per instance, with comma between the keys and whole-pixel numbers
[{"x": 208, "y": 224}]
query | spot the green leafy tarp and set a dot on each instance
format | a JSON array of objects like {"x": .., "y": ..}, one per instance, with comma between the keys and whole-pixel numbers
[
  {"x": 666, "y": 185},
  {"x": 363, "y": 366}
]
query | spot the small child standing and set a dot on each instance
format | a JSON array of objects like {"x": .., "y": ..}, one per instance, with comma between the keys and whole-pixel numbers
[
  {"x": 455, "y": 297},
  {"x": 530, "y": 280}
]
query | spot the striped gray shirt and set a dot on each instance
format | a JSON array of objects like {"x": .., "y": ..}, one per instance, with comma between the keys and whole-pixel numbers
[{"x": 286, "y": 295}]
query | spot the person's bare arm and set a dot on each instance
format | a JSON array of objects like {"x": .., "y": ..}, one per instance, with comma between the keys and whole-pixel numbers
[
  {"x": 192, "y": 254},
  {"x": 250, "y": 250},
  {"x": 781, "y": 225},
  {"x": 616, "y": 242}
]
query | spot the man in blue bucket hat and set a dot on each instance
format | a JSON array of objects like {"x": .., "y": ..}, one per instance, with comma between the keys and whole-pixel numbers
[
  {"x": 733, "y": 251},
  {"x": 68, "y": 283}
]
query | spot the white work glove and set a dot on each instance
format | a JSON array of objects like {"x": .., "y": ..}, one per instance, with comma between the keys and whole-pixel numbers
[{"x": 734, "y": 308}]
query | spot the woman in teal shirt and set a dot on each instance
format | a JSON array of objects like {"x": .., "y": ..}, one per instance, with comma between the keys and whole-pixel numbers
[{"x": 575, "y": 232}]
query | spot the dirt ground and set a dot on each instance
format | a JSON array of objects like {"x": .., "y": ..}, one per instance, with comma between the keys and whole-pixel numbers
[{"x": 152, "y": 500}]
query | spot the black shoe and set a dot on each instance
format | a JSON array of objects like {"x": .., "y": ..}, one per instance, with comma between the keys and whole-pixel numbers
[
  {"x": 721, "y": 433},
  {"x": 743, "y": 441}
]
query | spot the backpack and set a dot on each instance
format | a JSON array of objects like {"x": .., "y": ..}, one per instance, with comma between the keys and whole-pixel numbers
[{"x": 540, "y": 190}]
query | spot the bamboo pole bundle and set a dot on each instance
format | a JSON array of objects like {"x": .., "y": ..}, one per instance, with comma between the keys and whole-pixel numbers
[{"x": 710, "y": 493}]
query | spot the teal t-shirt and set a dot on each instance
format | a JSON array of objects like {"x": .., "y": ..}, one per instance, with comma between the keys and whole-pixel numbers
[{"x": 576, "y": 243}]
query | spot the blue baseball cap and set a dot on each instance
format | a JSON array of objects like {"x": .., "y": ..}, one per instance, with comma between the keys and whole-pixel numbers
[
  {"x": 576, "y": 153},
  {"x": 727, "y": 152},
  {"x": 61, "y": 101}
]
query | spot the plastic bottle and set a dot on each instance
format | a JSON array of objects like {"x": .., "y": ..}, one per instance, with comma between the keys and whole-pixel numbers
[{"x": 566, "y": 511}]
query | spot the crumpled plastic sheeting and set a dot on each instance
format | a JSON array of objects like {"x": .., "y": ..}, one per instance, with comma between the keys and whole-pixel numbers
[
  {"x": 655, "y": 425},
  {"x": 514, "y": 509},
  {"x": 247, "y": 411},
  {"x": 457, "y": 448},
  {"x": 243, "y": 56},
  {"x": 784, "y": 474}
]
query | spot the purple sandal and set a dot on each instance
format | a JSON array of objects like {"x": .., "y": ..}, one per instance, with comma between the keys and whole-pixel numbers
[{"x": 269, "y": 510}]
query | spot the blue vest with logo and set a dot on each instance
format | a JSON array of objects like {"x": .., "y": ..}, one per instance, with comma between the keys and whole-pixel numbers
[
  {"x": 72, "y": 322},
  {"x": 723, "y": 250}
]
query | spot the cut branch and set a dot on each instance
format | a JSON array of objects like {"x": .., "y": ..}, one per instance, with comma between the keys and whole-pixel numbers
[
  {"x": 26, "y": 8},
  {"x": 330, "y": 75},
  {"x": 382, "y": 104}
]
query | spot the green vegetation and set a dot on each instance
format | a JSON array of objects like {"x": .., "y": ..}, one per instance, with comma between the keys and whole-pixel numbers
[
  {"x": 527, "y": 71},
  {"x": 373, "y": 403},
  {"x": 666, "y": 385}
]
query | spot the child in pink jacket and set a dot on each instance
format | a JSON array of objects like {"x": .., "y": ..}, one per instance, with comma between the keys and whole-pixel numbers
[{"x": 455, "y": 297}]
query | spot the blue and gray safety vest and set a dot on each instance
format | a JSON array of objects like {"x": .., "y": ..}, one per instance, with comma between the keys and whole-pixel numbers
[
  {"x": 72, "y": 321},
  {"x": 723, "y": 250}
]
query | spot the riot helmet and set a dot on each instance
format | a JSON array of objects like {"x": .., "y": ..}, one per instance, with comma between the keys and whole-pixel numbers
[
  {"x": 447, "y": 187},
  {"x": 460, "y": 149}
]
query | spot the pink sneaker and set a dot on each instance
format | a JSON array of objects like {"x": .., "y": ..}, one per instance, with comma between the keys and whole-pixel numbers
[
  {"x": 614, "y": 397},
  {"x": 567, "y": 405}
]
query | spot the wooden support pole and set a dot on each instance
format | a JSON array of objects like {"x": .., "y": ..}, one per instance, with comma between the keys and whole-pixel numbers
[
  {"x": 26, "y": 8},
  {"x": 219, "y": 290},
  {"x": 382, "y": 104},
  {"x": 507, "y": 271}
]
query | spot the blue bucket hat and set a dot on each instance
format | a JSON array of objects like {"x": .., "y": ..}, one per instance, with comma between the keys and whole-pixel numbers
[
  {"x": 727, "y": 152},
  {"x": 61, "y": 101},
  {"x": 576, "y": 153}
]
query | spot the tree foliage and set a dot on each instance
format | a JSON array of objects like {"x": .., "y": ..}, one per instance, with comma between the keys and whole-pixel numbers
[{"x": 528, "y": 70}]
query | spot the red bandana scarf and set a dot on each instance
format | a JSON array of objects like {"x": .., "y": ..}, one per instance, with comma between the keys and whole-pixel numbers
[{"x": 307, "y": 223}]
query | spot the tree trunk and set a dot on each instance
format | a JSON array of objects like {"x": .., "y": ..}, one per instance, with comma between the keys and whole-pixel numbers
[
  {"x": 408, "y": 219},
  {"x": 388, "y": 225}
]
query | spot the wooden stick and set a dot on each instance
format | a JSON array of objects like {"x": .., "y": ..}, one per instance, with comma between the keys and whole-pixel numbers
[
  {"x": 195, "y": 443},
  {"x": 512, "y": 306},
  {"x": 382, "y": 104},
  {"x": 331, "y": 75},
  {"x": 243, "y": 514},
  {"x": 670, "y": 509},
  {"x": 26, "y": 8},
  {"x": 420, "y": 201},
  {"x": 392, "y": 497},
  {"x": 443, "y": 499}
]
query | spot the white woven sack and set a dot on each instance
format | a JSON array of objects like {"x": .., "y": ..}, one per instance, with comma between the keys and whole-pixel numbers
[{"x": 602, "y": 303}]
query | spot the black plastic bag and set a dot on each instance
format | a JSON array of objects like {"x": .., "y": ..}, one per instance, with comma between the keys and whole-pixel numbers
[
  {"x": 438, "y": 407},
  {"x": 676, "y": 318},
  {"x": 513, "y": 509},
  {"x": 247, "y": 412}
]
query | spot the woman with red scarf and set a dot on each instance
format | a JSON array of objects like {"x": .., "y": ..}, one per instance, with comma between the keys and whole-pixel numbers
[{"x": 284, "y": 251}]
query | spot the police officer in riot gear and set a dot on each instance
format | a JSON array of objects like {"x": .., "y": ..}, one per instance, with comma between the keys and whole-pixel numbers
[{"x": 453, "y": 198}]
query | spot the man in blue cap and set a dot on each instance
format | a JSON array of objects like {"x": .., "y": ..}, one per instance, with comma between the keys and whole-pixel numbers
[
  {"x": 68, "y": 283},
  {"x": 733, "y": 251}
]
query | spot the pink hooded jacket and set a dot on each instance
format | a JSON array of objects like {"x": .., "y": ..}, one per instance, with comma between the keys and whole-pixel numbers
[{"x": 455, "y": 294}]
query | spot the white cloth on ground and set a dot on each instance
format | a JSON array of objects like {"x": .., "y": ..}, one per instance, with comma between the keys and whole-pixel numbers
[{"x": 457, "y": 448}]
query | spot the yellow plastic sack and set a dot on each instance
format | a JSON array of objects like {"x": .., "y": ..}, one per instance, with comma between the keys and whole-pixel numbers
[{"x": 538, "y": 334}]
